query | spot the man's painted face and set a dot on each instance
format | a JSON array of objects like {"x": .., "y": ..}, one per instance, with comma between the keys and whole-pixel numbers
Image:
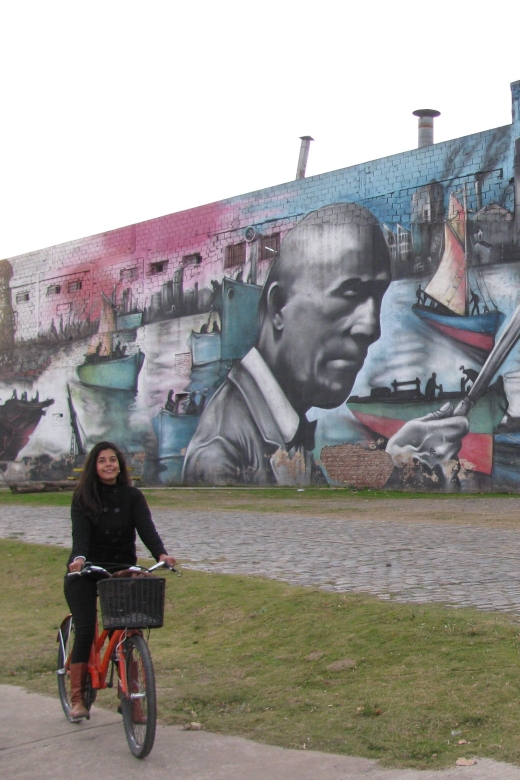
[{"x": 331, "y": 312}]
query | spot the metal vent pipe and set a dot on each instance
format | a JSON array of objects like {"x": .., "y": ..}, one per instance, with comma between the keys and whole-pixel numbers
[
  {"x": 426, "y": 117},
  {"x": 304, "y": 153}
]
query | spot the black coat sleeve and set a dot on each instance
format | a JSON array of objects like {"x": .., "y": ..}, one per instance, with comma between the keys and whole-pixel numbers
[
  {"x": 144, "y": 525},
  {"x": 81, "y": 528}
]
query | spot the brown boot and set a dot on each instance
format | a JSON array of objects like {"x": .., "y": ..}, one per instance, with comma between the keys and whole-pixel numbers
[{"x": 78, "y": 678}]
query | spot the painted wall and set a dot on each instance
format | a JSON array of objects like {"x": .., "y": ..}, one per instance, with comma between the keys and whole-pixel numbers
[{"x": 374, "y": 296}]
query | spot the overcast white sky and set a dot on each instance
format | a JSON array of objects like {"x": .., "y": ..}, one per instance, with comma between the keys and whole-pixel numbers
[{"x": 115, "y": 112}]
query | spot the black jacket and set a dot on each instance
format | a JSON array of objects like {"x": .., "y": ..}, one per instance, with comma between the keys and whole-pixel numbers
[{"x": 110, "y": 538}]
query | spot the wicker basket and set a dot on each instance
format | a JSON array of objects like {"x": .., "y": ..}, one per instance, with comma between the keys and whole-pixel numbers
[{"x": 132, "y": 603}]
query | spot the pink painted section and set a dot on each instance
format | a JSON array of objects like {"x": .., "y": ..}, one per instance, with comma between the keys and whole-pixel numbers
[
  {"x": 480, "y": 340},
  {"x": 476, "y": 450}
]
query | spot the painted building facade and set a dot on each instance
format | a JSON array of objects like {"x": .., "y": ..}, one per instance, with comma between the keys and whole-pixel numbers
[{"x": 326, "y": 330}]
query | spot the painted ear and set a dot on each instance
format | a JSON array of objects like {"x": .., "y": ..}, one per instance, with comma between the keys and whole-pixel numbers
[{"x": 275, "y": 304}]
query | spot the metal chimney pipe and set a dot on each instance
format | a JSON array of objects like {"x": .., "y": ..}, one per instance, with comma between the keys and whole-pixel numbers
[
  {"x": 304, "y": 153},
  {"x": 426, "y": 117}
]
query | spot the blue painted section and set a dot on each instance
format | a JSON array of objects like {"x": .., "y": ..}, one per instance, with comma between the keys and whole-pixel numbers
[{"x": 385, "y": 186}]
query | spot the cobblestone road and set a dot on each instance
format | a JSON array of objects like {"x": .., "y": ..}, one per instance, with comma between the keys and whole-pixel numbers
[{"x": 457, "y": 565}]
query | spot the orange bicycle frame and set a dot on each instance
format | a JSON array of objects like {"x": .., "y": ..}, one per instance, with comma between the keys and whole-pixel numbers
[{"x": 100, "y": 660}]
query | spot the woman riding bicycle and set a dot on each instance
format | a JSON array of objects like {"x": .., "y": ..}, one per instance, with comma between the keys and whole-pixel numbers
[{"x": 106, "y": 512}]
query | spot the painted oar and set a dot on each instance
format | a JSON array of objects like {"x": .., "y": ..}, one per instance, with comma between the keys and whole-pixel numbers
[{"x": 496, "y": 357}]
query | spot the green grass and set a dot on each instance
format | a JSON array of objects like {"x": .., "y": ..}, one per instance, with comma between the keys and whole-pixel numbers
[
  {"x": 293, "y": 666},
  {"x": 257, "y": 499}
]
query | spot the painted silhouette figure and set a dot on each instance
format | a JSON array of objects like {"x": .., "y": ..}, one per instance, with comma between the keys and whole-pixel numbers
[
  {"x": 170, "y": 403},
  {"x": 431, "y": 387},
  {"x": 468, "y": 380}
]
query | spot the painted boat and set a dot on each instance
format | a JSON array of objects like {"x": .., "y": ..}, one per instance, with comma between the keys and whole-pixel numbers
[
  {"x": 204, "y": 347},
  {"x": 174, "y": 432},
  {"x": 18, "y": 420},
  {"x": 237, "y": 305},
  {"x": 446, "y": 300},
  {"x": 477, "y": 330},
  {"x": 385, "y": 413},
  {"x": 130, "y": 321},
  {"x": 113, "y": 373},
  {"x": 106, "y": 366}
]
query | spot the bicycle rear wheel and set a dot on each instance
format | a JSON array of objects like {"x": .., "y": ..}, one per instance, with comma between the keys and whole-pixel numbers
[
  {"x": 66, "y": 641},
  {"x": 140, "y": 706}
]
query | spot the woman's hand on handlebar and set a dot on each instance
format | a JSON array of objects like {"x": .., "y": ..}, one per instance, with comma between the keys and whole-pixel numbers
[
  {"x": 76, "y": 565},
  {"x": 168, "y": 559}
]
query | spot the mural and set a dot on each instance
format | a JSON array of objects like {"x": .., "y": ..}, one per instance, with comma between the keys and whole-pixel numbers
[{"x": 279, "y": 338}]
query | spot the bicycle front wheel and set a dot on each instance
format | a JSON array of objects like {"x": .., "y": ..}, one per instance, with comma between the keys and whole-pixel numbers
[
  {"x": 66, "y": 641},
  {"x": 140, "y": 705}
]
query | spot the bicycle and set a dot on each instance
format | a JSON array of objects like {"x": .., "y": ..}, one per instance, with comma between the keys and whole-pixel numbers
[{"x": 128, "y": 606}]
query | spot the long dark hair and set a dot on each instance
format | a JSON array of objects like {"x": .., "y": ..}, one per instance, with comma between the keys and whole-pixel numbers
[{"x": 88, "y": 490}]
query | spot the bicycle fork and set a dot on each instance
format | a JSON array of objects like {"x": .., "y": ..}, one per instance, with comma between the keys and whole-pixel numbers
[{"x": 120, "y": 653}]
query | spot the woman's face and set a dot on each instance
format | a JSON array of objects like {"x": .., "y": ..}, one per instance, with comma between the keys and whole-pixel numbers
[{"x": 107, "y": 467}]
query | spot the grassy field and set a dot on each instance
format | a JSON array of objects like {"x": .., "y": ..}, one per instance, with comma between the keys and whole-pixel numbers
[
  {"x": 297, "y": 667},
  {"x": 279, "y": 499}
]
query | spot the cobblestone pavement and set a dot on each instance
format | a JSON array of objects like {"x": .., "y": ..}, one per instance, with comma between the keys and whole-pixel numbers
[{"x": 457, "y": 565}]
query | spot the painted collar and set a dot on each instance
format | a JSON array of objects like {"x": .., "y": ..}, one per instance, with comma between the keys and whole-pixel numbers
[{"x": 283, "y": 414}]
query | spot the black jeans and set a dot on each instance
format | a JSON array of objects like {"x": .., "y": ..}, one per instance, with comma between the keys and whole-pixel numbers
[{"x": 81, "y": 595}]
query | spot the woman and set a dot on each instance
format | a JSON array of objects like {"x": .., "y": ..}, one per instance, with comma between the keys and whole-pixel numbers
[{"x": 106, "y": 512}]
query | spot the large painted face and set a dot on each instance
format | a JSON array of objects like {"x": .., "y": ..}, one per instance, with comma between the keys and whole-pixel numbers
[
  {"x": 107, "y": 467},
  {"x": 331, "y": 311}
]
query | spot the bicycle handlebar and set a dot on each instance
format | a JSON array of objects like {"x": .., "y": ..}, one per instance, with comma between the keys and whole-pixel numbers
[{"x": 92, "y": 568}]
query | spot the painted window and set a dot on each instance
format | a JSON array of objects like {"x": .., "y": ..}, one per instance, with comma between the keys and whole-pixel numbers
[
  {"x": 75, "y": 286},
  {"x": 54, "y": 289},
  {"x": 21, "y": 297},
  {"x": 159, "y": 267},
  {"x": 193, "y": 259},
  {"x": 269, "y": 246},
  {"x": 127, "y": 274},
  {"x": 235, "y": 255}
]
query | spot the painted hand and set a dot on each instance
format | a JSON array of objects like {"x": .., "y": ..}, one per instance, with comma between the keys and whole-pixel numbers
[{"x": 433, "y": 440}]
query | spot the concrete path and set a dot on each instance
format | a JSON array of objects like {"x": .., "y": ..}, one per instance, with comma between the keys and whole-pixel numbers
[
  {"x": 459, "y": 565},
  {"x": 37, "y": 742}
]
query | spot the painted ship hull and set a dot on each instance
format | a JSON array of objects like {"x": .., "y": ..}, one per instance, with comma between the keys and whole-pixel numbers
[
  {"x": 386, "y": 416},
  {"x": 205, "y": 347},
  {"x": 237, "y": 305},
  {"x": 477, "y": 330},
  {"x": 113, "y": 374},
  {"x": 130, "y": 321},
  {"x": 18, "y": 420},
  {"x": 174, "y": 432}
]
